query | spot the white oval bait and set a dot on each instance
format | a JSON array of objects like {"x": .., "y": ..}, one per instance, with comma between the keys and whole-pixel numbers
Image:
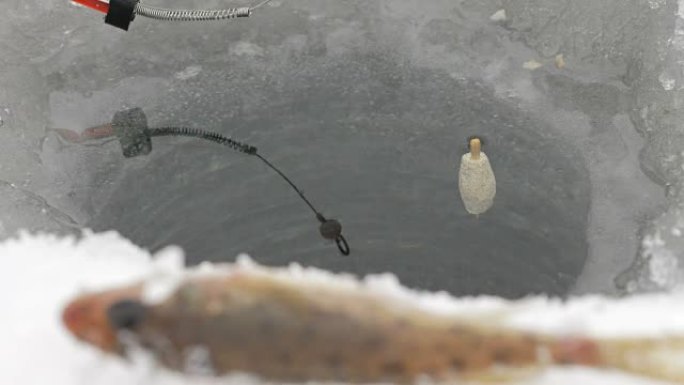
[{"x": 476, "y": 181}]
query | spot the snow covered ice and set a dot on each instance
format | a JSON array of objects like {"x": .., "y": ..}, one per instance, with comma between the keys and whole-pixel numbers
[{"x": 367, "y": 106}]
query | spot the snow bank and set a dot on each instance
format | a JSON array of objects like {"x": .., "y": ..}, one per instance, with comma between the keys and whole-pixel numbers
[{"x": 42, "y": 272}]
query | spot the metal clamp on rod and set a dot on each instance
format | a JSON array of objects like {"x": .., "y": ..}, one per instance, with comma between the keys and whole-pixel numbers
[{"x": 120, "y": 13}]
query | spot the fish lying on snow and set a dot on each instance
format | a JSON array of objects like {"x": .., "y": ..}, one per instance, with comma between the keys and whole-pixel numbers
[{"x": 277, "y": 325}]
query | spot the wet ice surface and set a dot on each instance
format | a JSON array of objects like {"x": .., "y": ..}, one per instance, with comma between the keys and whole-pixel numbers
[{"x": 367, "y": 107}]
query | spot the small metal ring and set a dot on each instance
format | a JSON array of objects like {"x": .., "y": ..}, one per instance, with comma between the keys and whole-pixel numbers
[{"x": 342, "y": 245}]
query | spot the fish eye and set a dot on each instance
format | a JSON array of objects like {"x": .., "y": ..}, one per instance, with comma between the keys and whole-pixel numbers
[{"x": 126, "y": 314}]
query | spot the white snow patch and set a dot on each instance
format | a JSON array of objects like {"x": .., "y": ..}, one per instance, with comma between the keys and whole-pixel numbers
[
  {"x": 41, "y": 273},
  {"x": 245, "y": 48},
  {"x": 532, "y": 65},
  {"x": 188, "y": 73},
  {"x": 499, "y": 15}
]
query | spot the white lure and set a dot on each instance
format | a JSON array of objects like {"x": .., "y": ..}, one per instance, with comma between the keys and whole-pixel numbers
[{"x": 476, "y": 181}]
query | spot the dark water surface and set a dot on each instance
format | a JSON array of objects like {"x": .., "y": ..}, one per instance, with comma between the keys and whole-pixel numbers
[{"x": 375, "y": 145}]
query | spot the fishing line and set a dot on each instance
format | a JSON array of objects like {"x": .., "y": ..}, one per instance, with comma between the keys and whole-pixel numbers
[
  {"x": 135, "y": 137},
  {"x": 330, "y": 229}
]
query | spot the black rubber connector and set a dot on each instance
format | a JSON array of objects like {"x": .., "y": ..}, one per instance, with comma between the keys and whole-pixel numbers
[
  {"x": 130, "y": 126},
  {"x": 121, "y": 13},
  {"x": 331, "y": 229}
]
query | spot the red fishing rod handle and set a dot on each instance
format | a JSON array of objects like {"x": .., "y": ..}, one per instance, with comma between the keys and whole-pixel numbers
[{"x": 98, "y": 5}]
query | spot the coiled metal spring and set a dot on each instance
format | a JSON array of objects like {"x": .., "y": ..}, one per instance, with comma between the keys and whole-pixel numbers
[
  {"x": 191, "y": 15},
  {"x": 206, "y": 135}
]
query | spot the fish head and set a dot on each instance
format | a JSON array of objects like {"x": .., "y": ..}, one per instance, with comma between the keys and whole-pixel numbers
[{"x": 87, "y": 317}]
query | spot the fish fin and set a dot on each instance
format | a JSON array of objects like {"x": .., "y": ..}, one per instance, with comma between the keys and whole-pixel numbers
[{"x": 656, "y": 358}]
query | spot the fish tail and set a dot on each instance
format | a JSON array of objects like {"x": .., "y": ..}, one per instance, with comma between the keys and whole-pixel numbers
[{"x": 655, "y": 358}]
